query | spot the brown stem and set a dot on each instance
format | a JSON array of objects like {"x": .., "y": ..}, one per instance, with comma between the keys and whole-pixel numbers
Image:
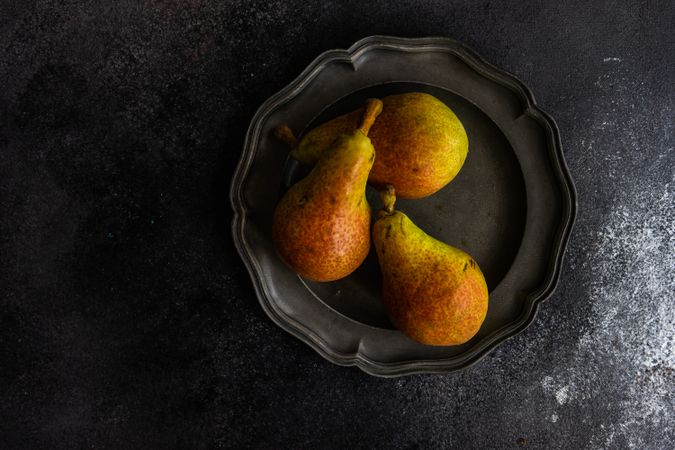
[
  {"x": 388, "y": 197},
  {"x": 372, "y": 110},
  {"x": 285, "y": 135}
]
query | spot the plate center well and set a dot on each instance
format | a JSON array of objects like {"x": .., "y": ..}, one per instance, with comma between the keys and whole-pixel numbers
[{"x": 482, "y": 211}]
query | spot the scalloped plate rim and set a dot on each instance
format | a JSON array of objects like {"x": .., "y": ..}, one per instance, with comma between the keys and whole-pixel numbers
[{"x": 534, "y": 299}]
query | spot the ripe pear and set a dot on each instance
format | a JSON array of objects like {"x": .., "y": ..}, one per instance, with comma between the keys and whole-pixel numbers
[
  {"x": 421, "y": 144},
  {"x": 321, "y": 226},
  {"x": 434, "y": 293}
]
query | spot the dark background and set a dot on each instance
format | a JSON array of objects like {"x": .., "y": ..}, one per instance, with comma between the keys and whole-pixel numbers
[{"x": 128, "y": 319}]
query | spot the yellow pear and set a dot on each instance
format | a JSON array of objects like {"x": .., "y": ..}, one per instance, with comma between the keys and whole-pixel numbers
[
  {"x": 434, "y": 293},
  {"x": 421, "y": 144},
  {"x": 321, "y": 226}
]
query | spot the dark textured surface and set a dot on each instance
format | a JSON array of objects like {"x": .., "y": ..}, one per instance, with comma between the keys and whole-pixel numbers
[{"x": 127, "y": 318}]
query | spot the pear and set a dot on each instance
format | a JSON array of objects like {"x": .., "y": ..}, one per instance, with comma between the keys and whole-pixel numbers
[
  {"x": 321, "y": 226},
  {"x": 434, "y": 293},
  {"x": 421, "y": 144}
]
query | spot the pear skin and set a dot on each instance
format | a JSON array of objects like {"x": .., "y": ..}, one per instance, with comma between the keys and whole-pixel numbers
[
  {"x": 434, "y": 293},
  {"x": 321, "y": 226},
  {"x": 421, "y": 144}
]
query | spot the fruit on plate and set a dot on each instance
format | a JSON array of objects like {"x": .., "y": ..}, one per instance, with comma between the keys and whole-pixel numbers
[
  {"x": 321, "y": 226},
  {"x": 421, "y": 144},
  {"x": 434, "y": 293}
]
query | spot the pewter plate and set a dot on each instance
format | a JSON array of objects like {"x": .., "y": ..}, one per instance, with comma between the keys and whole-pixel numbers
[{"x": 511, "y": 206}]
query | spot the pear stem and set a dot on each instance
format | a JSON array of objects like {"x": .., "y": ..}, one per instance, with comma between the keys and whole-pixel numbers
[
  {"x": 284, "y": 133},
  {"x": 388, "y": 197},
  {"x": 372, "y": 110}
]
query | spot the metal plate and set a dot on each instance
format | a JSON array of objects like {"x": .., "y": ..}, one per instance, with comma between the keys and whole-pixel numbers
[{"x": 511, "y": 206}]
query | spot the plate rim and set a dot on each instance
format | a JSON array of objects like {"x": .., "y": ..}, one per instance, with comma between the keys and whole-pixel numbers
[{"x": 485, "y": 69}]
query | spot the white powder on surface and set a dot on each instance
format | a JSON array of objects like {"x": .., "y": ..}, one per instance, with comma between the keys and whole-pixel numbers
[
  {"x": 562, "y": 395},
  {"x": 631, "y": 332}
]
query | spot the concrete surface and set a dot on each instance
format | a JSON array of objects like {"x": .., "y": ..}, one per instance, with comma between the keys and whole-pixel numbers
[{"x": 128, "y": 321}]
